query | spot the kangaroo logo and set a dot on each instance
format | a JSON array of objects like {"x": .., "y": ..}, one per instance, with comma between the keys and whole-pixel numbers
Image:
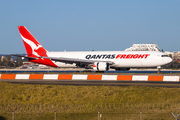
[{"x": 33, "y": 46}]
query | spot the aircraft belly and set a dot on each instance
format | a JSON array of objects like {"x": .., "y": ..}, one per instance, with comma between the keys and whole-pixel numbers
[
  {"x": 128, "y": 63},
  {"x": 136, "y": 63}
]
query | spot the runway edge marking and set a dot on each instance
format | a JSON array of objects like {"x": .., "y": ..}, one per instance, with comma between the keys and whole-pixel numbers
[{"x": 90, "y": 77}]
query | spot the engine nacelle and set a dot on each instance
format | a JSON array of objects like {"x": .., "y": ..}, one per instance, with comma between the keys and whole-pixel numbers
[{"x": 101, "y": 66}]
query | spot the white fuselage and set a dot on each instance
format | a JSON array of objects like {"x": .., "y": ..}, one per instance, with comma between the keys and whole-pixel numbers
[{"x": 120, "y": 59}]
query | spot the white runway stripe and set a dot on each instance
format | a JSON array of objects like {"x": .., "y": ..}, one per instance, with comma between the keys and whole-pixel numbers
[
  {"x": 50, "y": 76},
  {"x": 109, "y": 77},
  {"x": 22, "y": 76},
  {"x": 79, "y": 77},
  {"x": 139, "y": 78}
]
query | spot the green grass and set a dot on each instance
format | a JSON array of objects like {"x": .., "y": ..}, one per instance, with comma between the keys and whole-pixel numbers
[
  {"x": 86, "y": 116},
  {"x": 86, "y": 95},
  {"x": 61, "y": 94}
]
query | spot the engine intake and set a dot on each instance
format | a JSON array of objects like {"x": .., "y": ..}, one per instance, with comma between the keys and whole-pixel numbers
[{"x": 101, "y": 66}]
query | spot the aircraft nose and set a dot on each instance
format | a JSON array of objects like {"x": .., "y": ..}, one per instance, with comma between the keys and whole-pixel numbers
[{"x": 169, "y": 60}]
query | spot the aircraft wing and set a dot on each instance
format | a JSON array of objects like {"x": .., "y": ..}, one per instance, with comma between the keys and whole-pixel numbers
[
  {"x": 74, "y": 60},
  {"x": 65, "y": 60}
]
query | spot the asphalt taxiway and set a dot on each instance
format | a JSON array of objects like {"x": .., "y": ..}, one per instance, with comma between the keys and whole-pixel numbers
[{"x": 97, "y": 83}]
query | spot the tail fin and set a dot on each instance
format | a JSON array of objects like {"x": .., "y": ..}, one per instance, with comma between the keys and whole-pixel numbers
[{"x": 33, "y": 47}]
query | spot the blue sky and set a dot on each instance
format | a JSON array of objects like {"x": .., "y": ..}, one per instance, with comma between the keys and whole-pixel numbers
[{"x": 100, "y": 25}]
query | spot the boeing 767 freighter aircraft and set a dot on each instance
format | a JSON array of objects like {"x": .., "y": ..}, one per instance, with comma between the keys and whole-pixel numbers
[{"x": 96, "y": 60}]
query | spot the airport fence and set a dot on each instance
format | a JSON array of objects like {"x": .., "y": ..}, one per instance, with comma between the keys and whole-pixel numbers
[{"x": 104, "y": 111}]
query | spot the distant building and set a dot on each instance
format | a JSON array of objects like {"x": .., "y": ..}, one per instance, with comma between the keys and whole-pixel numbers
[
  {"x": 11, "y": 59},
  {"x": 174, "y": 55},
  {"x": 144, "y": 47},
  {"x": 154, "y": 47},
  {"x": 2, "y": 58}
]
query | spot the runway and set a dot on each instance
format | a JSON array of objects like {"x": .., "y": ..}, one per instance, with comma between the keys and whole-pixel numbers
[
  {"x": 58, "y": 71},
  {"x": 96, "y": 83}
]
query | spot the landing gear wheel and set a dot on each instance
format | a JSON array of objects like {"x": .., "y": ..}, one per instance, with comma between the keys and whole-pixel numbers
[{"x": 159, "y": 69}]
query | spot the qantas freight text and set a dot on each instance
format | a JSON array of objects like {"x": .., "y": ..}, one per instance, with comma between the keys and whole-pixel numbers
[
  {"x": 119, "y": 56},
  {"x": 132, "y": 56},
  {"x": 103, "y": 56}
]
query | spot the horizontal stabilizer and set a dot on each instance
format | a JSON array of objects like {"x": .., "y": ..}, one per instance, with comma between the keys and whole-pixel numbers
[{"x": 24, "y": 56}]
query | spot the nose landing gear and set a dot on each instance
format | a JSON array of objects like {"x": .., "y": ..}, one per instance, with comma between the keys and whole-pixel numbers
[{"x": 159, "y": 69}]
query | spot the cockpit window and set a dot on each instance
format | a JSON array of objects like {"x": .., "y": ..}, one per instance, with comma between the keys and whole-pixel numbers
[{"x": 164, "y": 56}]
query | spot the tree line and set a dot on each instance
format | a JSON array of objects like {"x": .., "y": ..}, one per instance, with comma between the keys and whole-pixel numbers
[
  {"x": 172, "y": 65},
  {"x": 9, "y": 63}
]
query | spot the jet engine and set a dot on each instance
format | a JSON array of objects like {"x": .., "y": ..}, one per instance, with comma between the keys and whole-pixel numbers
[{"x": 101, "y": 66}]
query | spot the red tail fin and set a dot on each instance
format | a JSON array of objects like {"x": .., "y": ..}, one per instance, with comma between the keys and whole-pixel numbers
[{"x": 33, "y": 47}]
